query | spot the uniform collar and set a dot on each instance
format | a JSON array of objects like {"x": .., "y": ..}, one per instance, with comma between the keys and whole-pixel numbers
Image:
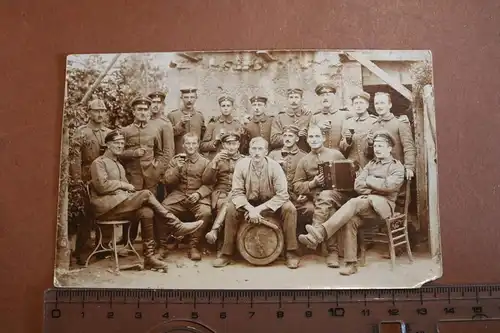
[
  {"x": 223, "y": 119},
  {"x": 95, "y": 127},
  {"x": 293, "y": 151},
  {"x": 328, "y": 111},
  {"x": 140, "y": 125},
  {"x": 186, "y": 111},
  {"x": 379, "y": 161},
  {"x": 388, "y": 116},
  {"x": 363, "y": 117},
  {"x": 289, "y": 111},
  {"x": 194, "y": 158},
  {"x": 263, "y": 118}
]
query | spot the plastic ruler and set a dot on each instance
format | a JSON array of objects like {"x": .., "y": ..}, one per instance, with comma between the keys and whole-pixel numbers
[{"x": 465, "y": 308}]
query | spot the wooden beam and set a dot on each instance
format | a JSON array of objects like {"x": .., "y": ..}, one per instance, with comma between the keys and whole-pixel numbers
[
  {"x": 432, "y": 181},
  {"x": 382, "y": 74},
  {"x": 395, "y": 55},
  {"x": 99, "y": 79}
]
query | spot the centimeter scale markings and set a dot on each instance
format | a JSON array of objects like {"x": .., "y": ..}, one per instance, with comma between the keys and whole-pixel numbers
[{"x": 413, "y": 310}]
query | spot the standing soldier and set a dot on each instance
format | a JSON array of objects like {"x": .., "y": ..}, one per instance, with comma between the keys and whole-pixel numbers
[
  {"x": 294, "y": 114},
  {"x": 88, "y": 144},
  {"x": 404, "y": 146},
  {"x": 164, "y": 125},
  {"x": 354, "y": 143},
  {"x": 329, "y": 118},
  {"x": 260, "y": 123},
  {"x": 142, "y": 157},
  {"x": 218, "y": 126},
  {"x": 308, "y": 181},
  {"x": 219, "y": 173},
  {"x": 188, "y": 192},
  {"x": 288, "y": 157},
  {"x": 187, "y": 119}
]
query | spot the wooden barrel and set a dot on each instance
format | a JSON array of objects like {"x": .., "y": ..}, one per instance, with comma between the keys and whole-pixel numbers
[{"x": 259, "y": 244}]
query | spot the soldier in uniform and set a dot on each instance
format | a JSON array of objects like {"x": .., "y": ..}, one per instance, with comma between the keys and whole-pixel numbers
[
  {"x": 329, "y": 118},
  {"x": 164, "y": 125},
  {"x": 88, "y": 144},
  {"x": 354, "y": 143},
  {"x": 288, "y": 157},
  {"x": 294, "y": 114},
  {"x": 187, "y": 119},
  {"x": 143, "y": 156},
  {"x": 404, "y": 146},
  {"x": 308, "y": 181},
  {"x": 378, "y": 186},
  {"x": 224, "y": 123},
  {"x": 114, "y": 198},
  {"x": 188, "y": 192},
  {"x": 219, "y": 173},
  {"x": 260, "y": 123},
  {"x": 259, "y": 188}
]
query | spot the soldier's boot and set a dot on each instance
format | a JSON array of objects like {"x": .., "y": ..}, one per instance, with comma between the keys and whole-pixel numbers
[
  {"x": 349, "y": 269},
  {"x": 292, "y": 259},
  {"x": 194, "y": 253},
  {"x": 332, "y": 260},
  {"x": 150, "y": 260},
  {"x": 221, "y": 261},
  {"x": 162, "y": 251},
  {"x": 179, "y": 228},
  {"x": 315, "y": 235}
]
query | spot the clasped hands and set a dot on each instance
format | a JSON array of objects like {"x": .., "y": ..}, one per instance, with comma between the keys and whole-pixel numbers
[{"x": 253, "y": 214}]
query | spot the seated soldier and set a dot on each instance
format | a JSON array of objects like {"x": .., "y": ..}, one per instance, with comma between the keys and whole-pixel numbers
[
  {"x": 219, "y": 173},
  {"x": 378, "y": 185},
  {"x": 308, "y": 181},
  {"x": 288, "y": 157},
  {"x": 114, "y": 198},
  {"x": 188, "y": 193},
  {"x": 259, "y": 188}
]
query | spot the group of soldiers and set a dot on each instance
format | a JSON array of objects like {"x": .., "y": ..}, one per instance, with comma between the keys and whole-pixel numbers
[{"x": 166, "y": 167}]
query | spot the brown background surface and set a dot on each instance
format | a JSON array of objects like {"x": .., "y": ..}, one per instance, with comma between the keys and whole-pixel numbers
[{"x": 35, "y": 36}]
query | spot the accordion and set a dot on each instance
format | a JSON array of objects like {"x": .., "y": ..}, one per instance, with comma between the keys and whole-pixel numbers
[{"x": 340, "y": 174}]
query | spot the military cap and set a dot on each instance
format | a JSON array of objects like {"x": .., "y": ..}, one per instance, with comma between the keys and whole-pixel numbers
[
  {"x": 230, "y": 136},
  {"x": 187, "y": 90},
  {"x": 225, "y": 98},
  {"x": 97, "y": 104},
  {"x": 141, "y": 101},
  {"x": 160, "y": 94},
  {"x": 113, "y": 136},
  {"x": 295, "y": 91},
  {"x": 324, "y": 88},
  {"x": 383, "y": 135},
  {"x": 262, "y": 99},
  {"x": 292, "y": 129},
  {"x": 360, "y": 94}
]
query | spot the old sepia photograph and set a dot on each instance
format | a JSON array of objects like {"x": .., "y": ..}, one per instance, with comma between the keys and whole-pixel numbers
[{"x": 255, "y": 169}]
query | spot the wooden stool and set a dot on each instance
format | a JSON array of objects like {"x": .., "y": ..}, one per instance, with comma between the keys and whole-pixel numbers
[
  {"x": 100, "y": 248},
  {"x": 260, "y": 244}
]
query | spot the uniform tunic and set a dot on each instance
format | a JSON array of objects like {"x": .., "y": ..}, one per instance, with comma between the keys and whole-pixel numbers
[
  {"x": 86, "y": 144},
  {"x": 300, "y": 118},
  {"x": 357, "y": 149},
  {"x": 220, "y": 175},
  {"x": 166, "y": 130},
  {"x": 209, "y": 146},
  {"x": 260, "y": 126},
  {"x": 404, "y": 149},
  {"x": 195, "y": 125},
  {"x": 143, "y": 172},
  {"x": 337, "y": 118}
]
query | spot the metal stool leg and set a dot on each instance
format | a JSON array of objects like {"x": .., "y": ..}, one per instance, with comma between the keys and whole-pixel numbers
[
  {"x": 98, "y": 249},
  {"x": 115, "y": 252},
  {"x": 129, "y": 244}
]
